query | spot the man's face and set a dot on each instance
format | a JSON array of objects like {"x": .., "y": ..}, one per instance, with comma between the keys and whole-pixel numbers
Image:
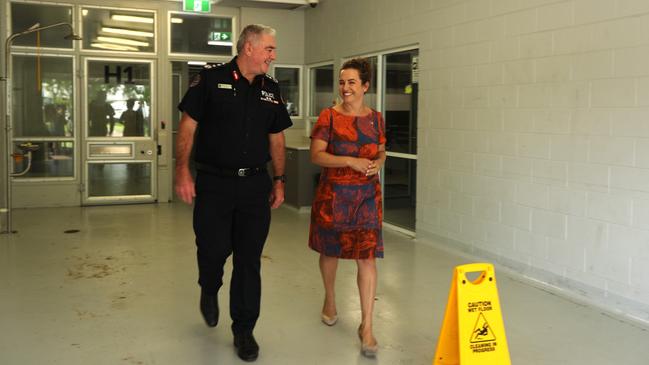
[{"x": 262, "y": 53}]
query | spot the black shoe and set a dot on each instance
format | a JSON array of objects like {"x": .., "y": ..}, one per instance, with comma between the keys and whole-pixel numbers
[
  {"x": 210, "y": 309},
  {"x": 247, "y": 347}
]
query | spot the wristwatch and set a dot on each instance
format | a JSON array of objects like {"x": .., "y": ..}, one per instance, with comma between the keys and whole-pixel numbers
[{"x": 281, "y": 178}]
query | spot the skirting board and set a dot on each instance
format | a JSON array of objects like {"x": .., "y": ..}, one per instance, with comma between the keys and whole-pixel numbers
[{"x": 622, "y": 308}]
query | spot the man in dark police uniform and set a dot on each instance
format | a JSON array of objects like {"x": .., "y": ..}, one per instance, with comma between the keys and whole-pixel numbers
[{"x": 238, "y": 116}]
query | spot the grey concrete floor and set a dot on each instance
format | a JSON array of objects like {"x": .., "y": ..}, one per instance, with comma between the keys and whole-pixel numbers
[{"x": 123, "y": 291}]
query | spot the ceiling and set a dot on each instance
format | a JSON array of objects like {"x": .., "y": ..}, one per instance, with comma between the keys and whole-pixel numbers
[{"x": 266, "y": 4}]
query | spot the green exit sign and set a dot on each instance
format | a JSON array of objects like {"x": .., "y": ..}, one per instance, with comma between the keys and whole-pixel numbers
[
  {"x": 221, "y": 36},
  {"x": 199, "y": 6}
]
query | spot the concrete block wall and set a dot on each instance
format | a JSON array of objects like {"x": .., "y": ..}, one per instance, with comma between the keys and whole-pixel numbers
[
  {"x": 533, "y": 129},
  {"x": 542, "y": 113}
]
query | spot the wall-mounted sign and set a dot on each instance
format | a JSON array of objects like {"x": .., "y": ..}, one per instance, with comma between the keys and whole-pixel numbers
[
  {"x": 220, "y": 39},
  {"x": 199, "y": 6},
  {"x": 414, "y": 66},
  {"x": 221, "y": 36}
]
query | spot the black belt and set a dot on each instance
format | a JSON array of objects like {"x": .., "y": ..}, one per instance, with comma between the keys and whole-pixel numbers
[{"x": 228, "y": 172}]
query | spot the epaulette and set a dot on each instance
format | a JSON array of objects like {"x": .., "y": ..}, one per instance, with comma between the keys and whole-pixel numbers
[
  {"x": 208, "y": 66},
  {"x": 271, "y": 78}
]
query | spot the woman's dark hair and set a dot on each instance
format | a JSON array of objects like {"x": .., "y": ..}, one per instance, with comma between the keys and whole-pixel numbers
[{"x": 362, "y": 66}]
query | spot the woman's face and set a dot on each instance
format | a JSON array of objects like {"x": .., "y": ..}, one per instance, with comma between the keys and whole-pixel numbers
[{"x": 350, "y": 86}]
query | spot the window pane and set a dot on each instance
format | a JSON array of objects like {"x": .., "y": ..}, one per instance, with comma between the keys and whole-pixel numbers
[
  {"x": 119, "y": 179},
  {"x": 42, "y": 96},
  {"x": 401, "y": 102},
  {"x": 289, "y": 85},
  {"x": 119, "y": 95},
  {"x": 370, "y": 95},
  {"x": 118, "y": 30},
  {"x": 197, "y": 34},
  {"x": 321, "y": 88},
  {"x": 51, "y": 159},
  {"x": 400, "y": 192},
  {"x": 24, "y": 16}
]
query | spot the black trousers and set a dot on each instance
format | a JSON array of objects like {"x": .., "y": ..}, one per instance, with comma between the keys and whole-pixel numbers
[{"x": 232, "y": 216}]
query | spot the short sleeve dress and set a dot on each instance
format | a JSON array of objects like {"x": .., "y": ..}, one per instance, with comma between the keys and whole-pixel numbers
[{"x": 347, "y": 212}]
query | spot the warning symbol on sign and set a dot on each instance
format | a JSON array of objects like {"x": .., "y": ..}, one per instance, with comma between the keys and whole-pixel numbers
[{"x": 481, "y": 331}]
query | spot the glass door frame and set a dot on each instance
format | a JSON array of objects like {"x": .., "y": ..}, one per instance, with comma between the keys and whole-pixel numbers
[{"x": 86, "y": 141}]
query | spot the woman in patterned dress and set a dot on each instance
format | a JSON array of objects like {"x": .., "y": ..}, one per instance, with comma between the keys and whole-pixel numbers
[{"x": 348, "y": 141}]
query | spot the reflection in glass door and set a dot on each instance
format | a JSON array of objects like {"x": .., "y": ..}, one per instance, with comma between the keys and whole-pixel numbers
[
  {"x": 120, "y": 152},
  {"x": 42, "y": 112},
  {"x": 400, "y": 112}
]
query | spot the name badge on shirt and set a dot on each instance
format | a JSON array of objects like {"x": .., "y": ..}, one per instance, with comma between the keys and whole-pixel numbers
[
  {"x": 225, "y": 86},
  {"x": 268, "y": 97}
]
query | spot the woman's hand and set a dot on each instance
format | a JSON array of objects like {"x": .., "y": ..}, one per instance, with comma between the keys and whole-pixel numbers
[
  {"x": 374, "y": 168},
  {"x": 363, "y": 165}
]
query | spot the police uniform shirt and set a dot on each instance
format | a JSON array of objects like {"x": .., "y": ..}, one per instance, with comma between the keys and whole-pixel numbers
[{"x": 234, "y": 116}]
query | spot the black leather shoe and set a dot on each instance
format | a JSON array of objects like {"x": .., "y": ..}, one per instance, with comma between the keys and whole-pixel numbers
[
  {"x": 247, "y": 347},
  {"x": 210, "y": 309}
]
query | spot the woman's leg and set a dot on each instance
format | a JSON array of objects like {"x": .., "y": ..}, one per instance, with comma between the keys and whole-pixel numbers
[
  {"x": 367, "y": 289},
  {"x": 328, "y": 267}
]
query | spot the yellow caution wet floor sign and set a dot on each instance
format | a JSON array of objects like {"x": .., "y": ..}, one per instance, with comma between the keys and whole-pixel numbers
[{"x": 473, "y": 332}]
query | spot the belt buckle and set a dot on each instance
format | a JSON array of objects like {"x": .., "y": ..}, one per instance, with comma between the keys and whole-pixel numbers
[{"x": 242, "y": 172}]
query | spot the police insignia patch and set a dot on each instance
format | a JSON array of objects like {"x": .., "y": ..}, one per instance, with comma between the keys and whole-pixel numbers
[
  {"x": 268, "y": 97},
  {"x": 195, "y": 81}
]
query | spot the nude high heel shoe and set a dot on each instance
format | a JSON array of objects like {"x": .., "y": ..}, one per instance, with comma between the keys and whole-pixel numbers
[
  {"x": 329, "y": 321},
  {"x": 367, "y": 350}
]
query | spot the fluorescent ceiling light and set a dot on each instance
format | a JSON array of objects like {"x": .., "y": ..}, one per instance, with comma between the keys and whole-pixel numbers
[
  {"x": 177, "y": 20},
  {"x": 132, "y": 18},
  {"x": 219, "y": 43},
  {"x": 196, "y": 63},
  {"x": 137, "y": 33},
  {"x": 128, "y": 42},
  {"x": 113, "y": 47}
]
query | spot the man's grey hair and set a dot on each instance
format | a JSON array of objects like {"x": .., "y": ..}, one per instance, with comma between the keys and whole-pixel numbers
[{"x": 251, "y": 34}]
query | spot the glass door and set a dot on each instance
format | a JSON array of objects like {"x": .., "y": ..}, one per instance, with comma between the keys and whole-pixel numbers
[
  {"x": 400, "y": 111},
  {"x": 120, "y": 151}
]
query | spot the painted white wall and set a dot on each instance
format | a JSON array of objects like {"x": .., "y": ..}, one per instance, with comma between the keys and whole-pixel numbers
[
  {"x": 533, "y": 129},
  {"x": 289, "y": 25}
]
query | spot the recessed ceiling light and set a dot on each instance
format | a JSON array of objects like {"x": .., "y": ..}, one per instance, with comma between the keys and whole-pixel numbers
[
  {"x": 132, "y": 18},
  {"x": 137, "y": 33},
  {"x": 219, "y": 43},
  {"x": 113, "y": 47},
  {"x": 128, "y": 42}
]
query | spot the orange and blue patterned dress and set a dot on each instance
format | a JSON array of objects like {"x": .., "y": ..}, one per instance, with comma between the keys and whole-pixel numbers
[{"x": 347, "y": 211}]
